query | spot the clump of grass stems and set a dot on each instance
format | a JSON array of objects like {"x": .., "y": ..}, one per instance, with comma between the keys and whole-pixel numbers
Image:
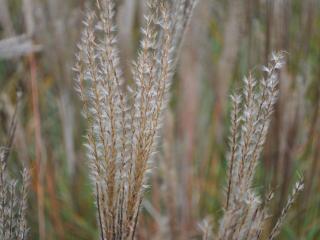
[{"x": 123, "y": 125}]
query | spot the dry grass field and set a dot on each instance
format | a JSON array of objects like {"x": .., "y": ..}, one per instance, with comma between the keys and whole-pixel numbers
[{"x": 159, "y": 119}]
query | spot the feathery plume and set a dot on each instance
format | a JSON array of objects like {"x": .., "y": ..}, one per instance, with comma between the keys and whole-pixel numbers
[
  {"x": 245, "y": 213},
  {"x": 123, "y": 125}
]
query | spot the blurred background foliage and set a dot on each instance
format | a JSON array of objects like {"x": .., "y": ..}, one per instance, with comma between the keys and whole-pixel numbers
[{"x": 225, "y": 40}]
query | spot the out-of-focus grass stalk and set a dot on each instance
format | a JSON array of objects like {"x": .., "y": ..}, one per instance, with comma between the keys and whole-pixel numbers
[
  {"x": 38, "y": 147},
  {"x": 40, "y": 167},
  {"x": 231, "y": 35},
  {"x": 5, "y": 18}
]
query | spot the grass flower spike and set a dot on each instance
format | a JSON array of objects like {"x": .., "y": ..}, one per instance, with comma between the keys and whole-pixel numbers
[
  {"x": 245, "y": 213},
  {"x": 123, "y": 125}
]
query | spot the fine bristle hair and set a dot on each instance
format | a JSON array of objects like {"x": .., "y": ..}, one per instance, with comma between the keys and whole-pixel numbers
[{"x": 123, "y": 125}]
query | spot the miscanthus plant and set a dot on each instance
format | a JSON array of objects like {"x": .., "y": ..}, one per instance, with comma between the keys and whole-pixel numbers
[
  {"x": 13, "y": 199},
  {"x": 124, "y": 124},
  {"x": 245, "y": 212}
]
